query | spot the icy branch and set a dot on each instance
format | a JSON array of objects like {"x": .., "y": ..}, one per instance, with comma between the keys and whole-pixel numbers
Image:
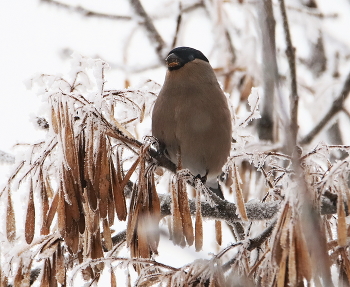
[{"x": 336, "y": 107}]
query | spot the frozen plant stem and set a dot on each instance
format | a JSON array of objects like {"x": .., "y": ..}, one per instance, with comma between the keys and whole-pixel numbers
[{"x": 291, "y": 137}]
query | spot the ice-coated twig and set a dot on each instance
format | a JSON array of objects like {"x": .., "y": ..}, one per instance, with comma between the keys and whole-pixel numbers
[{"x": 336, "y": 107}]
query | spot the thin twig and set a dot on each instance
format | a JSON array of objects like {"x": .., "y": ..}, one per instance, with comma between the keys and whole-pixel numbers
[
  {"x": 336, "y": 107},
  {"x": 178, "y": 24},
  {"x": 151, "y": 29},
  {"x": 313, "y": 13},
  {"x": 86, "y": 12},
  {"x": 253, "y": 243},
  {"x": 294, "y": 98}
]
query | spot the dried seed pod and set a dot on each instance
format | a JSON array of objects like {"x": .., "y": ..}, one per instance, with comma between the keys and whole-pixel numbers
[
  {"x": 185, "y": 213},
  {"x": 30, "y": 218},
  {"x": 218, "y": 232},
  {"x": 10, "y": 219},
  {"x": 198, "y": 224},
  {"x": 176, "y": 215},
  {"x": 118, "y": 194}
]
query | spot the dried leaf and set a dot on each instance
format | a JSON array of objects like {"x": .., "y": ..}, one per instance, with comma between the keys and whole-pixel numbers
[
  {"x": 10, "y": 219},
  {"x": 89, "y": 167},
  {"x": 107, "y": 235},
  {"x": 69, "y": 219},
  {"x": 113, "y": 278},
  {"x": 91, "y": 195},
  {"x": 134, "y": 215},
  {"x": 104, "y": 177},
  {"x": 341, "y": 227},
  {"x": 53, "y": 280},
  {"x": 92, "y": 220},
  {"x": 48, "y": 188},
  {"x": 54, "y": 120},
  {"x": 3, "y": 279},
  {"x": 143, "y": 249},
  {"x": 60, "y": 265},
  {"x": 19, "y": 274},
  {"x": 176, "y": 216},
  {"x": 303, "y": 260},
  {"x": 285, "y": 229},
  {"x": 52, "y": 211},
  {"x": 30, "y": 218},
  {"x": 346, "y": 263},
  {"x": 70, "y": 192},
  {"x": 118, "y": 194},
  {"x": 218, "y": 232},
  {"x": 61, "y": 213},
  {"x": 276, "y": 244},
  {"x": 96, "y": 247},
  {"x": 87, "y": 273},
  {"x": 45, "y": 279},
  {"x": 72, "y": 238},
  {"x": 155, "y": 214},
  {"x": 281, "y": 277},
  {"x": 239, "y": 195},
  {"x": 129, "y": 173},
  {"x": 185, "y": 213},
  {"x": 69, "y": 146},
  {"x": 198, "y": 224},
  {"x": 81, "y": 224},
  {"x": 111, "y": 207},
  {"x": 45, "y": 206}
]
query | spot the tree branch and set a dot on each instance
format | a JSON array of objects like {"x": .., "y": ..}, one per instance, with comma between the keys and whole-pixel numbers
[
  {"x": 336, "y": 107},
  {"x": 265, "y": 126},
  {"x": 86, "y": 12},
  {"x": 291, "y": 136},
  {"x": 153, "y": 34}
]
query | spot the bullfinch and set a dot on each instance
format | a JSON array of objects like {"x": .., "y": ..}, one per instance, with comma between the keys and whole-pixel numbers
[{"x": 191, "y": 118}]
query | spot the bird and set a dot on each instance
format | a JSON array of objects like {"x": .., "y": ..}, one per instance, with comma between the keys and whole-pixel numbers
[{"x": 191, "y": 119}]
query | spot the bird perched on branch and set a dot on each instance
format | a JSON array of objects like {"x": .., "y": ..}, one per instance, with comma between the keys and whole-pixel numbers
[{"x": 191, "y": 118}]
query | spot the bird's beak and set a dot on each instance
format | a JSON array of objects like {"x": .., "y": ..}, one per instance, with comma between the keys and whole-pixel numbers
[{"x": 172, "y": 60}]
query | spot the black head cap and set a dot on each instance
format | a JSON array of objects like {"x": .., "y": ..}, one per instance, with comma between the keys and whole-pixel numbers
[{"x": 180, "y": 56}]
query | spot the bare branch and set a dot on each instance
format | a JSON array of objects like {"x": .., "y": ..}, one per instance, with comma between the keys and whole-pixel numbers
[
  {"x": 336, "y": 107},
  {"x": 86, "y": 12},
  {"x": 294, "y": 98},
  {"x": 313, "y": 13},
  {"x": 265, "y": 126},
  {"x": 178, "y": 24},
  {"x": 151, "y": 29}
]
